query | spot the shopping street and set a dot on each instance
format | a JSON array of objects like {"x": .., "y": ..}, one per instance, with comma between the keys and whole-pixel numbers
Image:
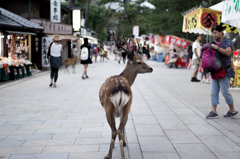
[{"x": 167, "y": 118}]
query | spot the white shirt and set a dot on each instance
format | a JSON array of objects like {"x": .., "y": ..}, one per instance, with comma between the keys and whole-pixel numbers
[
  {"x": 56, "y": 50},
  {"x": 197, "y": 46},
  {"x": 105, "y": 47}
]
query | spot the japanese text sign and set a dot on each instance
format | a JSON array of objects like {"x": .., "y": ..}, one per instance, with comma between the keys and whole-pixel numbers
[{"x": 55, "y": 6}]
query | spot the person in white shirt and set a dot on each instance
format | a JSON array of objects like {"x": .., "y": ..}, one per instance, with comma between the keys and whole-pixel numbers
[
  {"x": 196, "y": 48},
  {"x": 56, "y": 50}
]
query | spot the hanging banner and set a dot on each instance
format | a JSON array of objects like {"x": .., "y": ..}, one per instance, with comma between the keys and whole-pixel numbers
[
  {"x": 45, "y": 42},
  {"x": 177, "y": 41},
  {"x": 202, "y": 20},
  {"x": 231, "y": 13},
  {"x": 136, "y": 31},
  {"x": 76, "y": 19},
  {"x": 55, "y": 6}
]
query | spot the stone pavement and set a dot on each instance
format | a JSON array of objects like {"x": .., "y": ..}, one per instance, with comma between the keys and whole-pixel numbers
[{"x": 167, "y": 118}]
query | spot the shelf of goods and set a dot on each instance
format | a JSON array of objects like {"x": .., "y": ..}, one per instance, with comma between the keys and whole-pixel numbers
[
  {"x": 14, "y": 69},
  {"x": 236, "y": 67}
]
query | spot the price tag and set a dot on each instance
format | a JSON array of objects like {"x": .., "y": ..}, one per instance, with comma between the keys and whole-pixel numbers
[{"x": 15, "y": 71}]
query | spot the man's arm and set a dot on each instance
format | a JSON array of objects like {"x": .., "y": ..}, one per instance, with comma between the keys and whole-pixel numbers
[{"x": 195, "y": 51}]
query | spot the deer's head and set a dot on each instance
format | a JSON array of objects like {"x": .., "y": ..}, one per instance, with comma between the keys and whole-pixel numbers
[{"x": 135, "y": 63}]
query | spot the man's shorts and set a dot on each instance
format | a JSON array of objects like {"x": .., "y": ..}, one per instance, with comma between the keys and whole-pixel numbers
[{"x": 196, "y": 63}]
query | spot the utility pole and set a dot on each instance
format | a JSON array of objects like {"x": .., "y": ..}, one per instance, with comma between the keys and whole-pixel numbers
[{"x": 29, "y": 9}]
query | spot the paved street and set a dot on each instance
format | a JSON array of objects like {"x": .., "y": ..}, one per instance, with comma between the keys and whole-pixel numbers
[{"x": 167, "y": 118}]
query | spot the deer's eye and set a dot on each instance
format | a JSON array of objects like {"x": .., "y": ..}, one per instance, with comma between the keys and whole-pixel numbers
[{"x": 139, "y": 63}]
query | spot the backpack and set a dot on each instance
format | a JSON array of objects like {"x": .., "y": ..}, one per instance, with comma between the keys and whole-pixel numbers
[
  {"x": 210, "y": 57},
  {"x": 190, "y": 52},
  {"x": 84, "y": 53}
]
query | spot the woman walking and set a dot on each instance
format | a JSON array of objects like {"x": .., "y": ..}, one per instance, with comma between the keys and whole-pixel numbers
[
  {"x": 225, "y": 51},
  {"x": 95, "y": 52},
  {"x": 85, "y": 53},
  {"x": 101, "y": 53},
  {"x": 55, "y": 50}
]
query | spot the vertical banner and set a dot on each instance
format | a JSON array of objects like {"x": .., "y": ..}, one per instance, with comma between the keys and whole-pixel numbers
[
  {"x": 136, "y": 31},
  {"x": 55, "y": 6},
  {"x": 76, "y": 19},
  {"x": 45, "y": 42}
]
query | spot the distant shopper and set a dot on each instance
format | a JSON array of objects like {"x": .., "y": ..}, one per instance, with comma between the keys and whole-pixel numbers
[
  {"x": 85, "y": 55},
  {"x": 74, "y": 51},
  {"x": 95, "y": 52},
  {"x": 101, "y": 53},
  {"x": 223, "y": 84},
  {"x": 55, "y": 50},
  {"x": 124, "y": 54},
  {"x": 152, "y": 51},
  {"x": 196, "y": 57},
  {"x": 119, "y": 52}
]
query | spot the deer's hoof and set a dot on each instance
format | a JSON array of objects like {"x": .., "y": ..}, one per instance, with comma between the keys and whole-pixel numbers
[
  {"x": 107, "y": 157},
  {"x": 124, "y": 144}
]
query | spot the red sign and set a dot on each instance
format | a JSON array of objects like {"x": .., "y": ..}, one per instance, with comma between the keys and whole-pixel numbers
[{"x": 177, "y": 41}]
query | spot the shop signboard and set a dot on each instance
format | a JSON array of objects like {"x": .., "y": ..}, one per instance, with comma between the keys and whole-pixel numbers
[
  {"x": 55, "y": 6},
  {"x": 202, "y": 20},
  {"x": 177, "y": 41},
  {"x": 45, "y": 42},
  {"x": 76, "y": 14}
]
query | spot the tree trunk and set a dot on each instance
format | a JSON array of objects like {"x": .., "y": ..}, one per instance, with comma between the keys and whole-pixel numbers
[{"x": 87, "y": 14}]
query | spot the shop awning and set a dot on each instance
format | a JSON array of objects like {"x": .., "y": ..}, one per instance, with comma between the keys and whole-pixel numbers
[
  {"x": 66, "y": 37},
  {"x": 94, "y": 40},
  {"x": 18, "y": 32},
  {"x": 202, "y": 20},
  {"x": 9, "y": 19}
]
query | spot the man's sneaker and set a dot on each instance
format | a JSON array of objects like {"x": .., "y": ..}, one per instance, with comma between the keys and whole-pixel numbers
[
  {"x": 194, "y": 79},
  {"x": 230, "y": 114},
  {"x": 212, "y": 115}
]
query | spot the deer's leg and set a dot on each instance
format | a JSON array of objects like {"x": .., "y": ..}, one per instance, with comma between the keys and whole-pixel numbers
[
  {"x": 121, "y": 136},
  {"x": 111, "y": 122}
]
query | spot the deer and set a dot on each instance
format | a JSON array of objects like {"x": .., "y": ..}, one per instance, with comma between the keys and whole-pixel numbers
[
  {"x": 70, "y": 61},
  {"x": 115, "y": 95}
]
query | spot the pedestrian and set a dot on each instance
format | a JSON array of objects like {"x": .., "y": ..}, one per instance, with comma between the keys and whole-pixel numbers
[
  {"x": 190, "y": 54},
  {"x": 119, "y": 52},
  {"x": 101, "y": 53},
  {"x": 124, "y": 54},
  {"x": 74, "y": 51},
  {"x": 86, "y": 54},
  {"x": 105, "y": 48},
  {"x": 225, "y": 52},
  {"x": 153, "y": 52},
  {"x": 196, "y": 57},
  {"x": 115, "y": 51},
  {"x": 55, "y": 50},
  {"x": 95, "y": 52}
]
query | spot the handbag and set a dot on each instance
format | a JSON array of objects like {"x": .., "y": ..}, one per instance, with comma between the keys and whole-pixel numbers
[{"x": 219, "y": 74}]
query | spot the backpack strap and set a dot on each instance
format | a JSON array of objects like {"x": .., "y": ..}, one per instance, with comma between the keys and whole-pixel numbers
[{"x": 49, "y": 50}]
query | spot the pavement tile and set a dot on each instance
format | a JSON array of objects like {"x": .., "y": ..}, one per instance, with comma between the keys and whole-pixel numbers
[
  {"x": 77, "y": 135},
  {"x": 196, "y": 151},
  {"x": 71, "y": 148},
  {"x": 7, "y": 143},
  {"x": 194, "y": 120},
  {"x": 162, "y": 155},
  {"x": 30, "y": 137},
  {"x": 11, "y": 132},
  {"x": 35, "y": 127},
  {"x": 219, "y": 143},
  {"x": 147, "y": 130},
  {"x": 21, "y": 150},
  {"x": 176, "y": 136},
  {"x": 41, "y": 156},
  {"x": 155, "y": 144},
  {"x": 224, "y": 155},
  {"x": 91, "y": 141},
  {"x": 140, "y": 120},
  {"x": 204, "y": 130},
  {"x": 57, "y": 131},
  {"x": 93, "y": 155},
  {"x": 172, "y": 125},
  {"x": 165, "y": 116},
  {"x": 52, "y": 142}
]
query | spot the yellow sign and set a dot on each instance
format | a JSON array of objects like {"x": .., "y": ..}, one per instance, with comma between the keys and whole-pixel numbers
[{"x": 205, "y": 18}]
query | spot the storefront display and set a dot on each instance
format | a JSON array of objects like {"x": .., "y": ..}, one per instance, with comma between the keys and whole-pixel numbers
[
  {"x": 236, "y": 67},
  {"x": 14, "y": 69}
]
